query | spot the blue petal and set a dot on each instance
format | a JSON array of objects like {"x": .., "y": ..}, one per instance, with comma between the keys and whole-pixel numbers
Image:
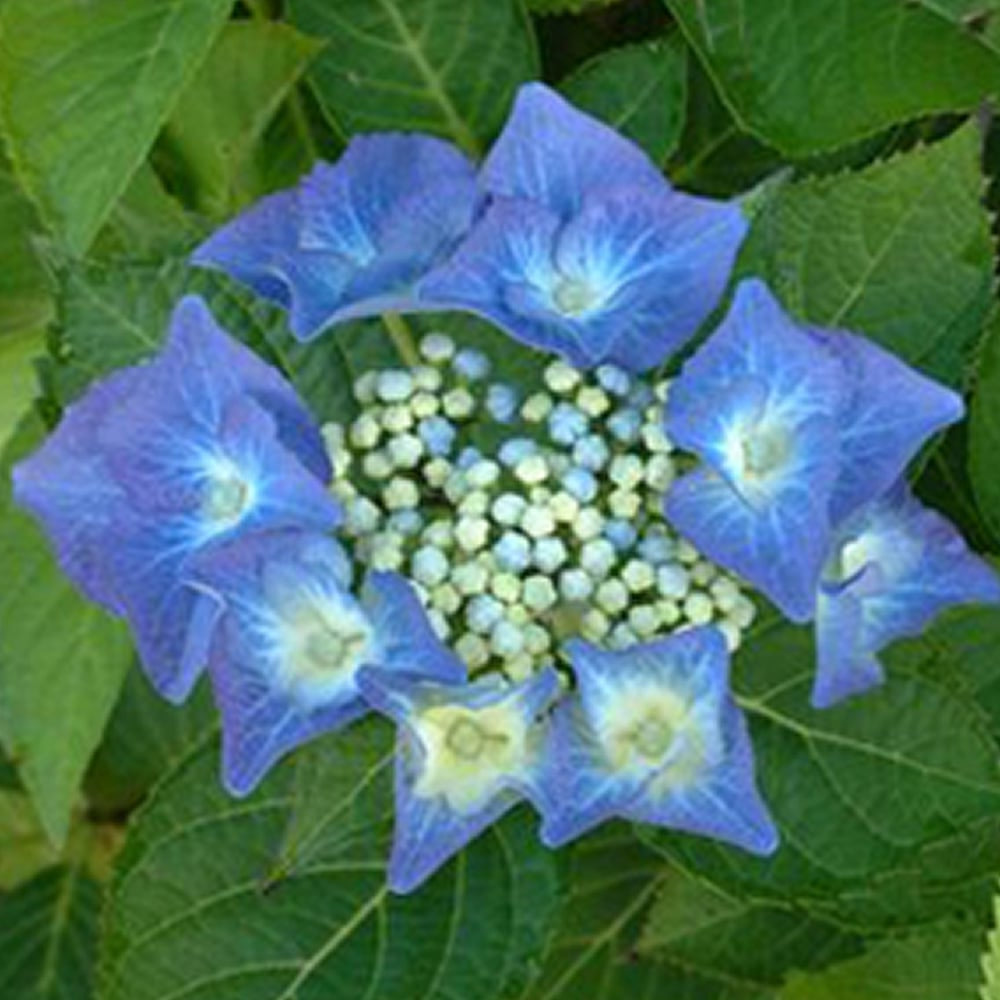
[
  {"x": 552, "y": 153},
  {"x": 903, "y": 564},
  {"x": 717, "y": 798},
  {"x": 844, "y": 667},
  {"x": 428, "y": 830},
  {"x": 628, "y": 279},
  {"x": 408, "y": 644},
  {"x": 759, "y": 403},
  {"x": 274, "y": 591},
  {"x": 355, "y": 236},
  {"x": 166, "y": 523},
  {"x": 781, "y": 550},
  {"x": 66, "y": 485},
  {"x": 208, "y": 363},
  {"x": 892, "y": 410}
]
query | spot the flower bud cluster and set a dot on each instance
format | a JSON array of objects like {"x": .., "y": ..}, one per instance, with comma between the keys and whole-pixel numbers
[{"x": 552, "y": 530}]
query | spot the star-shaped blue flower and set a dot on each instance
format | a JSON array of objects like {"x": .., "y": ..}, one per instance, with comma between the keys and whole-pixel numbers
[
  {"x": 159, "y": 461},
  {"x": 893, "y": 567},
  {"x": 585, "y": 249},
  {"x": 759, "y": 404},
  {"x": 354, "y": 236},
  {"x": 465, "y": 755},
  {"x": 653, "y": 735},
  {"x": 291, "y": 639},
  {"x": 797, "y": 427}
]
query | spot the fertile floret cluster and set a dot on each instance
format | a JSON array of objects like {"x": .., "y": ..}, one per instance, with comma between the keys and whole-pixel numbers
[{"x": 551, "y": 527}]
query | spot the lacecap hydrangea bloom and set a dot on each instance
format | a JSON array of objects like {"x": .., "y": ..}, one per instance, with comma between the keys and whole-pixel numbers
[{"x": 531, "y": 582}]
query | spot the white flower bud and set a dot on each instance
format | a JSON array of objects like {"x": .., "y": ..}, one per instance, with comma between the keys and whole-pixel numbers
[
  {"x": 405, "y": 451},
  {"x": 595, "y": 625},
  {"x": 446, "y": 599},
  {"x": 698, "y": 608},
  {"x": 624, "y": 504},
  {"x": 537, "y": 521},
  {"x": 458, "y": 403},
  {"x": 724, "y": 593},
  {"x": 638, "y": 575},
  {"x": 436, "y": 472},
  {"x": 703, "y": 573},
  {"x": 426, "y": 378},
  {"x": 734, "y": 637},
  {"x": 506, "y": 587},
  {"x": 439, "y": 533},
  {"x": 589, "y": 523},
  {"x": 597, "y": 557},
  {"x": 612, "y": 596},
  {"x": 482, "y": 474},
  {"x": 377, "y": 465},
  {"x": 669, "y": 611},
  {"x": 429, "y": 566},
  {"x": 476, "y": 503},
  {"x": 575, "y": 585},
  {"x": 506, "y": 640},
  {"x": 537, "y": 407},
  {"x": 673, "y": 581},
  {"x": 644, "y": 619},
  {"x": 593, "y": 401},
  {"x": 508, "y": 509},
  {"x": 365, "y": 387},
  {"x": 473, "y": 650},
  {"x": 470, "y": 578},
  {"x": 437, "y": 348},
  {"x": 400, "y": 494},
  {"x": 472, "y": 533},
  {"x": 536, "y": 639},
  {"x": 424, "y": 404},
  {"x": 626, "y": 471},
  {"x": 394, "y": 385},
  {"x": 561, "y": 378},
  {"x": 361, "y": 516},
  {"x": 532, "y": 469},
  {"x": 538, "y": 593},
  {"x": 564, "y": 506},
  {"x": 653, "y": 436},
  {"x": 397, "y": 418}
]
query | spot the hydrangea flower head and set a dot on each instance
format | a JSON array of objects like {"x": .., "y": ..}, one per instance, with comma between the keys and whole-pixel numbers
[
  {"x": 585, "y": 249},
  {"x": 465, "y": 756},
  {"x": 163, "y": 460},
  {"x": 654, "y": 736},
  {"x": 354, "y": 236},
  {"x": 292, "y": 638},
  {"x": 759, "y": 404},
  {"x": 893, "y": 567}
]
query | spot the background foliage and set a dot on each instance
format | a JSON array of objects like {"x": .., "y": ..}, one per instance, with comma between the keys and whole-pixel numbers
[{"x": 128, "y": 129}]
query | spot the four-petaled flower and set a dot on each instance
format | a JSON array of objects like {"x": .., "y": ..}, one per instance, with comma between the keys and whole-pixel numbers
[
  {"x": 893, "y": 566},
  {"x": 353, "y": 238},
  {"x": 653, "y": 735},
  {"x": 797, "y": 427},
  {"x": 291, "y": 639},
  {"x": 159, "y": 462},
  {"x": 465, "y": 756},
  {"x": 584, "y": 248}
]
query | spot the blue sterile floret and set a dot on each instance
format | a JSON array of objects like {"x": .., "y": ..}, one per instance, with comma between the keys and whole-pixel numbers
[
  {"x": 465, "y": 756},
  {"x": 797, "y": 427},
  {"x": 353, "y": 237},
  {"x": 652, "y": 734},
  {"x": 584, "y": 248},
  {"x": 291, "y": 639},
  {"x": 893, "y": 566},
  {"x": 163, "y": 460}
]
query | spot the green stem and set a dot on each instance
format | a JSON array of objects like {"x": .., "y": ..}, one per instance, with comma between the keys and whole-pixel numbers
[
  {"x": 402, "y": 338},
  {"x": 258, "y": 9}
]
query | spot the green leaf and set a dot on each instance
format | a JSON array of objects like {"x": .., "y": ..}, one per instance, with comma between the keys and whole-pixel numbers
[
  {"x": 593, "y": 953},
  {"x": 17, "y": 377},
  {"x": 938, "y": 964},
  {"x": 894, "y": 787},
  {"x": 990, "y": 960},
  {"x": 900, "y": 251},
  {"x": 544, "y": 7},
  {"x": 984, "y": 429},
  {"x": 640, "y": 90},
  {"x": 117, "y": 314},
  {"x": 219, "y": 122},
  {"x": 48, "y": 937},
  {"x": 25, "y": 295},
  {"x": 62, "y": 660},
  {"x": 715, "y": 157},
  {"x": 289, "y": 888},
  {"x": 449, "y": 67},
  {"x": 24, "y": 848},
  {"x": 84, "y": 89},
  {"x": 812, "y": 75},
  {"x": 700, "y": 927},
  {"x": 144, "y": 737}
]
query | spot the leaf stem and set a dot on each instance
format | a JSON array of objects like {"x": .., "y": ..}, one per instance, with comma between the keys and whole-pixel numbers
[{"x": 402, "y": 338}]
